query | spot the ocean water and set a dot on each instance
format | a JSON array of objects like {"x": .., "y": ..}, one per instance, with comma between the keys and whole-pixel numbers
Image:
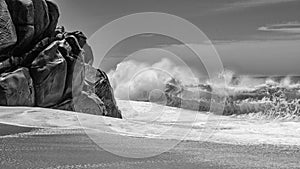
[
  {"x": 257, "y": 97},
  {"x": 260, "y": 97},
  {"x": 169, "y": 84}
]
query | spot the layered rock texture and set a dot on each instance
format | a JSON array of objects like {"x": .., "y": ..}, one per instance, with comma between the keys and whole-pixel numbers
[{"x": 43, "y": 65}]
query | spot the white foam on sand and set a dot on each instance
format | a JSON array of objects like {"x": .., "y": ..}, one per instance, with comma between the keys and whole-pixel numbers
[{"x": 149, "y": 120}]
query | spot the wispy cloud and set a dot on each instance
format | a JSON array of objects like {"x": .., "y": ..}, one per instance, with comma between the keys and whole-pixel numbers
[
  {"x": 240, "y": 4},
  {"x": 290, "y": 27}
]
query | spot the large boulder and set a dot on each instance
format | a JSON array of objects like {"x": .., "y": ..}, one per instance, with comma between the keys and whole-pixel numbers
[
  {"x": 16, "y": 88},
  {"x": 88, "y": 103},
  {"x": 58, "y": 71},
  {"x": 34, "y": 20},
  {"x": 98, "y": 82},
  {"x": 41, "y": 19},
  {"x": 88, "y": 54},
  {"x": 8, "y": 34},
  {"x": 75, "y": 67},
  {"x": 49, "y": 72},
  {"x": 23, "y": 19},
  {"x": 43, "y": 65},
  {"x": 53, "y": 18}
]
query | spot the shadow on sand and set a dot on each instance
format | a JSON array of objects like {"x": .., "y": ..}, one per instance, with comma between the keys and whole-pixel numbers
[{"x": 8, "y": 129}]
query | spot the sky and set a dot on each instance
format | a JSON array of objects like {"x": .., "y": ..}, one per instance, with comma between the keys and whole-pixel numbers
[{"x": 255, "y": 37}]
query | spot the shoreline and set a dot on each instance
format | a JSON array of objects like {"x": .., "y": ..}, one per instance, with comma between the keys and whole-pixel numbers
[{"x": 228, "y": 130}]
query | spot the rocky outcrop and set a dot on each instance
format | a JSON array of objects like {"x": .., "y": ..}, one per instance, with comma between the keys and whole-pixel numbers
[
  {"x": 33, "y": 20},
  {"x": 16, "y": 88},
  {"x": 97, "y": 82},
  {"x": 49, "y": 72},
  {"x": 43, "y": 65},
  {"x": 8, "y": 34},
  {"x": 86, "y": 103},
  {"x": 88, "y": 54}
]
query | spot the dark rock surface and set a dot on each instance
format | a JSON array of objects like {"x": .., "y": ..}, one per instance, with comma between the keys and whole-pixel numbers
[
  {"x": 49, "y": 72},
  {"x": 44, "y": 65},
  {"x": 16, "y": 88},
  {"x": 8, "y": 34},
  {"x": 88, "y": 54},
  {"x": 96, "y": 81},
  {"x": 86, "y": 103}
]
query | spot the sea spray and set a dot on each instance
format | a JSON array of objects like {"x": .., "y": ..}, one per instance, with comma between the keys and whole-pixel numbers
[
  {"x": 171, "y": 85},
  {"x": 133, "y": 80}
]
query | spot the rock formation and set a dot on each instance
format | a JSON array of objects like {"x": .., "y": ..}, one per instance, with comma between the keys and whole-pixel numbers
[{"x": 43, "y": 65}]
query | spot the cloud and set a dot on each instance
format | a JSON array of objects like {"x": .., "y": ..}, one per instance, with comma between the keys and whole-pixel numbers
[
  {"x": 290, "y": 27},
  {"x": 250, "y": 3}
]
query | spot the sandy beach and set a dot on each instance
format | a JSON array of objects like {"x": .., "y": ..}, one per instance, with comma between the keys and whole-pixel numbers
[
  {"x": 73, "y": 149},
  {"x": 44, "y": 138}
]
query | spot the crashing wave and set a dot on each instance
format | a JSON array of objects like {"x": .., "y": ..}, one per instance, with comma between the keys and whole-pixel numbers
[{"x": 272, "y": 99}]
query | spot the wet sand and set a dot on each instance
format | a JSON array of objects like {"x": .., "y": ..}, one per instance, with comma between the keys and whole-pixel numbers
[
  {"x": 7, "y": 129},
  {"x": 55, "y": 141},
  {"x": 70, "y": 149}
]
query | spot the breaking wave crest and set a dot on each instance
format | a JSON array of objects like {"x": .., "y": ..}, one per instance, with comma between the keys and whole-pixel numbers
[{"x": 275, "y": 97}]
